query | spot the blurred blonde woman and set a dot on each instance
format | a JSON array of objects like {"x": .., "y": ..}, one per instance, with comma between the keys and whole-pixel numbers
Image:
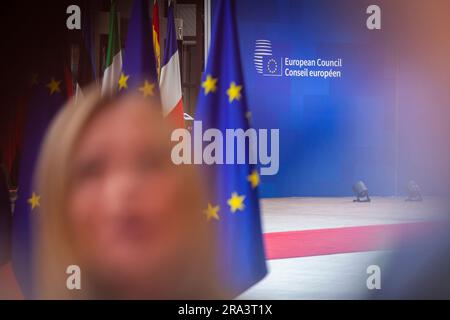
[{"x": 113, "y": 203}]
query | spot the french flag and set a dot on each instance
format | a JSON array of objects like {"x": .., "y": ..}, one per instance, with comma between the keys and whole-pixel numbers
[{"x": 170, "y": 80}]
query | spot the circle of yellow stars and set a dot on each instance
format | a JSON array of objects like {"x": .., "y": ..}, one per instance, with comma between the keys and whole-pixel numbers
[
  {"x": 34, "y": 201},
  {"x": 254, "y": 179},
  {"x": 212, "y": 212},
  {"x": 53, "y": 86},
  {"x": 123, "y": 81},
  {"x": 210, "y": 84},
  {"x": 233, "y": 91},
  {"x": 236, "y": 202},
  {"x": 147, "y": 89}
]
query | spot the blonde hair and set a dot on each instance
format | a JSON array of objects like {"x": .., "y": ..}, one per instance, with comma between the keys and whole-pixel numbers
[
  {"x": 51, "y": 181},
  {"x": 54, "y": 250}
]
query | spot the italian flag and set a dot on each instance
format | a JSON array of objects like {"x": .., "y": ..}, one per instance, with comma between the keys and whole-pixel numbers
[
  {"x": 113, "y": 66},
  {"x": 170, "y": 80}
]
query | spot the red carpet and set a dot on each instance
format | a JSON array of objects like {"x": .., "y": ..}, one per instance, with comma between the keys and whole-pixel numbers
[{"x": 291, "y": 244}]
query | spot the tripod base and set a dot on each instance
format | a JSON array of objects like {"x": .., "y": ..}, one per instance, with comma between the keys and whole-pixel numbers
[{"x": 358, "y": 199}]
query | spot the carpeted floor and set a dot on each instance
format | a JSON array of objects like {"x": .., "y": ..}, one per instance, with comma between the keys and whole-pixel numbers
[{"x": 292, "y": 244}]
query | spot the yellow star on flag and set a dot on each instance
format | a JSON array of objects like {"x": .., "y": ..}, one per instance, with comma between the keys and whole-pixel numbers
[
  {"x": 34, "y": 201},
  {"x": 210, "y": 84},
  {"x": 234, "y": 92},
  {"x": 123, "y": 81},
  {"x": 53, "y": 86},
  {"x": 253, "y": 178},
  {"x": 236, "y": 202},
  {"x": 212, "y": 212},
  {"x": 147, "y": 89}
]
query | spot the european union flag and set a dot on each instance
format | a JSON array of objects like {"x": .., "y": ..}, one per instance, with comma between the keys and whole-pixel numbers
[
  {"x": 233, "y": 207},
  {"x": 47, "y": 95},
  {"x": 139, "y": 63}
]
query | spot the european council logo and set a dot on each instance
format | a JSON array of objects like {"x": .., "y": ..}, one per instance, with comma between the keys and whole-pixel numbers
[{"x": 265, "y": 63}]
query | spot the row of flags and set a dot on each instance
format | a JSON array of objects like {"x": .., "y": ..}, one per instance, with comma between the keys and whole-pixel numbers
[
  {"x": 232, "y": 207},
  {"x": 140, "y": 68}
]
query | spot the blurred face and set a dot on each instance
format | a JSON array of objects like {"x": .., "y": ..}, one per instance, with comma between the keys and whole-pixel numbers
[{"x": 130, "y": 220}]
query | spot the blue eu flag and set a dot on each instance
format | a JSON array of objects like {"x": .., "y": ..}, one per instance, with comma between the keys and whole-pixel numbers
[
  {"x": 47, "y": 95},
  {"x": 232, "y": 207},
  {"x": 139, "y": 64}
]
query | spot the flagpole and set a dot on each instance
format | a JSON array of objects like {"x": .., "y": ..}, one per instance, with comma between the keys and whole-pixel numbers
[{"x": 207, "y": 30}]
